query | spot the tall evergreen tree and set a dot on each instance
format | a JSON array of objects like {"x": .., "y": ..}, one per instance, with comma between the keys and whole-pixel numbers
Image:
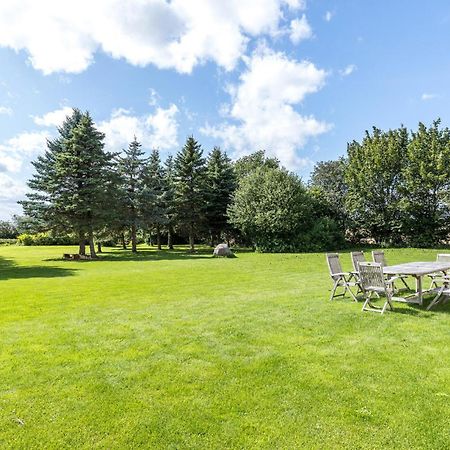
[
  {"x": 155, "y": 202},
  {"x": 220, "y": 185},
  {"x": 130, "y": 169},
  {"x": 190, "y": 195},
  {"x": 169, "y": 177},
  {"x": 73, "y": 181}
]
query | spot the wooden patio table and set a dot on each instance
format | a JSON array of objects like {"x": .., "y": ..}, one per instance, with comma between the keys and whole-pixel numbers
[{"x": 417, "y": 270}]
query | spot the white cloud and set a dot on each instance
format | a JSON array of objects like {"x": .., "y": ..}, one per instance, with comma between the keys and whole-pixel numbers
[
  {"x": 262, "y": 115},
  {"x": 7, "y": 111},
  {"x": 328, "y": 16},
  {"x": 157, "y": 130},
  {"x": 426, "y": 96},
  {"x": 20, "y": 148},
  {"x": 63, "y": 36},
  {"x": 300, "y": 30},
  {"x": 348, "y": 70},
  {"x": 53, "y": 118}
]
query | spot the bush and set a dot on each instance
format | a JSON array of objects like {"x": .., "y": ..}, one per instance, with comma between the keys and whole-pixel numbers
[
  {"x": 45, "y": 239},
  {"x": 8, "y": 241}
]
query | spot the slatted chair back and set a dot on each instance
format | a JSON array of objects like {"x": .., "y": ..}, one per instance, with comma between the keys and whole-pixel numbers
[
  {"x": 443, "y": 257},
  {"x": 334, "y": 265},
  {"x": 371, "y": 277},
  {"x": 357, "y": 257},
  {"x": 378, "y": 257}
]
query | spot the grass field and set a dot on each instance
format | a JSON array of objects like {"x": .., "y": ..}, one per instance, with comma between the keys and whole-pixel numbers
[{"x": 169, "y": 350}]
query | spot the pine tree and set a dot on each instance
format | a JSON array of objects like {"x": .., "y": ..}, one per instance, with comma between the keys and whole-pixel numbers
[
  {"x": 73, "y": 183},
  {"x": 169, "y": 199},
  {"x": 155, "y": 203},
  {"x": 190, "y": 195},
  {"x": 130, "y": 169},
  {"x": 221, "y": 183}
]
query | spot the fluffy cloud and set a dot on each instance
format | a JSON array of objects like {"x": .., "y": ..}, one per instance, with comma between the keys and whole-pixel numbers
[
  {"x": 53, "y": 118},
  {"x": 348, "y": 70},
  {"x": 63, "y": 35},
  {"x": 300, "y": 30},
  {"x": 262, "y": 115},
  {"x": 24, "y": 146},
  {"x": 157, "y": 130}
]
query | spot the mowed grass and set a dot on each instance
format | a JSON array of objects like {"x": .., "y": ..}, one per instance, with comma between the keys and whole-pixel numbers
[{"x": 170, "y": 350}]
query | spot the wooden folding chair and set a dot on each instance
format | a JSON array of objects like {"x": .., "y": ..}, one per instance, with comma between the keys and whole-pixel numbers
[
  {"x": 439, "y": 277},
  {"x": 356, "y": 258},
  {"x": 444, "y": 291},
  {"x": 373, "y": 282},
  {"x": 340, "y": 279},
  {"x": 378, "y": 257}
]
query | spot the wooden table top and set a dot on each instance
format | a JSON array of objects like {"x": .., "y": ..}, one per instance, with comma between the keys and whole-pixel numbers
[{"x": 418, "y": 268}]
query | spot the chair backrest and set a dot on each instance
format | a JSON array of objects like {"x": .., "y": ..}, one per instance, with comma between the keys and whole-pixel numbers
[
  {"x": 334, "y": 264},
  {"x": 378, "y": 257},
  {"x": 357, "y": 257},
  {"x": 443, "y": 257},
  {"x": 371, "y": 276}
]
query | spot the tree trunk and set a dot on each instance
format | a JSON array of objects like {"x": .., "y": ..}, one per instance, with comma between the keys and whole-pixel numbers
[
  {"x": 124, "y": 244},
  {"x": 99, "y": 247},
  {"x": 211, "y": 238},
  {"x": 170, "y": 237},
  {"x": 92, "y": 245},
  {"x": 133, "y": 238},
  {"x": 191, "y": 239},
  {"x": 158, "y": 236},
  {"x": 82, "y": 243}
]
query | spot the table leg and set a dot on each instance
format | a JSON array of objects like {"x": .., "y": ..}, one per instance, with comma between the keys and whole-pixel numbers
[{"x": 419, "y": 289}]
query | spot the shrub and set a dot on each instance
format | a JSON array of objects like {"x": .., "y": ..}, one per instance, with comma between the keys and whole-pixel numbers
[{"x": 45, "y": 239}]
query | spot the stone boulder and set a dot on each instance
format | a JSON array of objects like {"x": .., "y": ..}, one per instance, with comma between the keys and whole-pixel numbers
[{"x": 222, "y": 250}]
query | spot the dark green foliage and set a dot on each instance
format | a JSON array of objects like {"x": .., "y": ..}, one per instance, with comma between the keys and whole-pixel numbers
[
  {"x": 8, "y": 230},
  {"x": 73, "y": 183},
  {"x": 154, "y": 203},
  {"x": 271, "y": 207},
  {"x": 190, "y": 189},
  {"x": 130, "y": 168},
  {"x": 220, "y": 185},
  {"x": 329, "y": 185},
  {"x": 374, "y": 177},
  {"x": 425, "y": 192}
]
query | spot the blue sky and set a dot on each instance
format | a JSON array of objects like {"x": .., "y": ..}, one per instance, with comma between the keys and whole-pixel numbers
[{"x": 297, "y": 78}]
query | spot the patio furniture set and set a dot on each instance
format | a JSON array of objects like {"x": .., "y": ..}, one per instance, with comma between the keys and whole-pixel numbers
[{"x": 377, "y": 278}]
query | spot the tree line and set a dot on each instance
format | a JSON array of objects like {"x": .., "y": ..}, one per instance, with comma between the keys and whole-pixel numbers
[{"x": 392, "y": 188}]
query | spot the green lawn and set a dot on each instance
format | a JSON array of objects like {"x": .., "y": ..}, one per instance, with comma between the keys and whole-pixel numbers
[{"x": 169, "y": 350}]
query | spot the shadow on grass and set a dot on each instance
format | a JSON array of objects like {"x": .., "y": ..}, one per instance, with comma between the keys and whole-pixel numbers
[
  {"x": 151, "y": 254},
  {"x": 10, "y": 270}
]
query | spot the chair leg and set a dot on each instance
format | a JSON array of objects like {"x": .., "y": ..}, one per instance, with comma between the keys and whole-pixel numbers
[
  {"x": 333, "y": 291},
  {"x": 436, "y": 299}
]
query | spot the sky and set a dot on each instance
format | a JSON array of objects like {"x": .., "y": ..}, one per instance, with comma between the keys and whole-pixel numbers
[{"x": 298, "y": 78}]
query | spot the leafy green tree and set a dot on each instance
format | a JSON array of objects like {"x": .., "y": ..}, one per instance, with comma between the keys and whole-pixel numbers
[
  {"x": 271, "y": 207},
  {"x": 220, "y": 185},
  {"x": 130, "y": 170},
  {"x": 73, "y": 183},
  {"x": 374, "y": 179},
  {"x": 189, "y": 183},
  {"x": 155, "y": 190},
  {"x": 427, "y": 185},
  {"x": 328, "y": 183},
  {"x": 249, "y": 163},
  {"x": 8, "y": 230}
]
